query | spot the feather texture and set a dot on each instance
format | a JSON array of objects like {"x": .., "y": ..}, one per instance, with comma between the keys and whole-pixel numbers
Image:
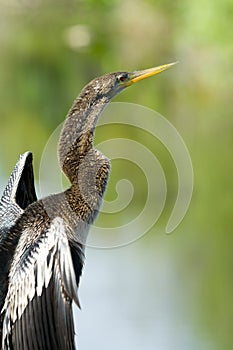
[
  {"x": 42, "y": 285},
  {"x": 18, "y": 194}
]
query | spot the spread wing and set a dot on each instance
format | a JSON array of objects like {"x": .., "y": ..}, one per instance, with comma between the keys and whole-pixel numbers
[
  {"x": 42, "y": 285},
  {"x": 19, "y": 192}
]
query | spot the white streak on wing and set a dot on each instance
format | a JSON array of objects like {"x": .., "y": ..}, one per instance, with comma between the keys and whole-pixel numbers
[
  {"x": 9, "y": 209},
  {"x": 29, "y": 280}
]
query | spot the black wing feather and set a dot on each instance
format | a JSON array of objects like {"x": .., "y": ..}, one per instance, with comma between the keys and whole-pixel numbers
[
  {"x": 38, "y": 306},
  {"x": 18, "y": 194}
]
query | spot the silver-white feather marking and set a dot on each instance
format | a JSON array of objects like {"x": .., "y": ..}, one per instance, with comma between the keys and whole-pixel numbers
[
  {"x": 11, "y": 188},
  {"x": 9, "y": 209},
  {"x": 29, "y": 279}
]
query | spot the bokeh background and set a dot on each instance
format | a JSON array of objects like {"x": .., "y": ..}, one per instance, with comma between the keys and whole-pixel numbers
[{"x": 162, "y": 292}]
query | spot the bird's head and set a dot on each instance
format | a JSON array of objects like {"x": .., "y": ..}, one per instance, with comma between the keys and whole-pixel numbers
[
  {"x": 109, "y": 85},
  {"x": 77, "y": 136}
]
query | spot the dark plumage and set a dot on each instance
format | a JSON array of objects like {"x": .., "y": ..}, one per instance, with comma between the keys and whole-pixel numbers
[
  {"x": 42, "y": 241},
  {"x": 19, "y": 193}
]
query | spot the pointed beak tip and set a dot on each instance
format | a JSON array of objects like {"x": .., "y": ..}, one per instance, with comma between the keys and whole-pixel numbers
[
  {"x": 173, "y": 63},
  {"x": 140, "y": 75}
]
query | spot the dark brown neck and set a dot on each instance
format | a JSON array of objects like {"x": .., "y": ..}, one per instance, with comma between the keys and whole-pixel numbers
[{"x": 76, "y": 138}]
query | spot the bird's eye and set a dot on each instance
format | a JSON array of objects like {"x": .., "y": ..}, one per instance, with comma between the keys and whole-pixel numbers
[{"x": 122, "y": 78}]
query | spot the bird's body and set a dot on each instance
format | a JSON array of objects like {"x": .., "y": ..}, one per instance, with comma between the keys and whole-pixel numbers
[{"x": 42, "y": 242}]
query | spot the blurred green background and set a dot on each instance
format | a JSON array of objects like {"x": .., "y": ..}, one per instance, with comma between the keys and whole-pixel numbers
[{"x": 164, "y": 291}]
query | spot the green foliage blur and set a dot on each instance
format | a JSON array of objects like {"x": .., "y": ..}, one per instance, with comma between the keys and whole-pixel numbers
[{"x": 50, "y": 49}]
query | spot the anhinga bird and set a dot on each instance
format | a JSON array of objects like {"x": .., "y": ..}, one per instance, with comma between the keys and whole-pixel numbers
[{"x": 42, "y": 241}]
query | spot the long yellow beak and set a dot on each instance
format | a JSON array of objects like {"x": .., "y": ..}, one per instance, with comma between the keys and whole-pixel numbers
[{"x": 142, "y": 74}]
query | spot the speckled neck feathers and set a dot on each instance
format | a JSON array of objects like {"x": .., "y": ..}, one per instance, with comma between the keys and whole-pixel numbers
[{"x": 76, "y": 139}]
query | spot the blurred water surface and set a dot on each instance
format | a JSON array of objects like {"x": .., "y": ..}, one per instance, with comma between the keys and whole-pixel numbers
[{"x": 134, "y": 299}]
